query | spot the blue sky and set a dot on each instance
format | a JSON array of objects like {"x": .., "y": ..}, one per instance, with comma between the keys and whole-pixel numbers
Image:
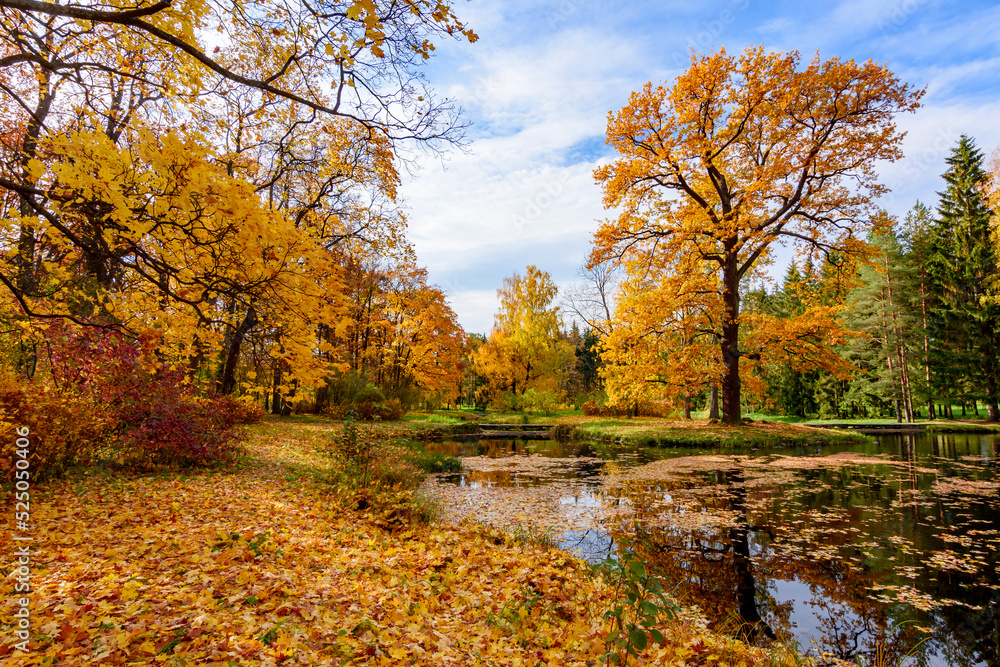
[{"x": 539, "y": 83}]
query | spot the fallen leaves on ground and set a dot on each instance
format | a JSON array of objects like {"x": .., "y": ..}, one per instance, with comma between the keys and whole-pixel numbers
[{"x": 258, "y": 566}]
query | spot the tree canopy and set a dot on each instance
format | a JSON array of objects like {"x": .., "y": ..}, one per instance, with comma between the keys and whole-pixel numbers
[{"x": 741, "y": 153}]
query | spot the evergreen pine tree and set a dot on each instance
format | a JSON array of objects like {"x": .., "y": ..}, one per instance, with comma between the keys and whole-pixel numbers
[
  {"x": 917, "y": 237},
  {"x": 884, "y": 310},
  {"x": 961, "y": 264}
]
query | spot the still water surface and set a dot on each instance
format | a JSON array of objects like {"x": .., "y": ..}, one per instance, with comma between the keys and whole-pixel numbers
[{"x": 884, "y": 554}]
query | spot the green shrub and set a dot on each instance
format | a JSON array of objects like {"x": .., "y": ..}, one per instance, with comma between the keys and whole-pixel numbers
[
  {"x": 540, "y": 400},
  {"x": 640, "y": 602},
  {"x": 433, "y": 462}
]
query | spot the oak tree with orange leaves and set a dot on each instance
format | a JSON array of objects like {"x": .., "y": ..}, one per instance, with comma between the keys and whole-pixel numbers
[{"x": 741, "y": 153}]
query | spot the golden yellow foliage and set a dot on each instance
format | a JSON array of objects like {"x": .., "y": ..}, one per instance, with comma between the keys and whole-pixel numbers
[
  {"x": 525, "y": 349},
  {"x": 739, "y": 153}
]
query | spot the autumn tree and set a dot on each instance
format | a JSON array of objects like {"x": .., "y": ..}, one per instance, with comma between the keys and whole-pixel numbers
[
  {"x": 399, "y": 333},
  {"x": 192, "y": 197},
  {"x": 525, "y": 349},
  {"x": 741, "y": 153},
  {"x": 659, "y": 347},
  {"x": 364, "y": 50},
  {"x": 97, "y": 68}
]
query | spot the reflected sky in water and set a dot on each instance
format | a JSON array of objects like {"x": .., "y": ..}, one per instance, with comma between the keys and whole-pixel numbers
[{"x": 885, "y": 551}]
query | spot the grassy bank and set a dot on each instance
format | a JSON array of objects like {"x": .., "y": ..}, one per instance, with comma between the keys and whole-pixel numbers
[
  {"x": 654, "y": 432},
  {"x": 961, "y": 427},
  {"x": 935, "y": 426},
  {"x": 420, "y": 426},
  {"x": 266, "y": 563}
]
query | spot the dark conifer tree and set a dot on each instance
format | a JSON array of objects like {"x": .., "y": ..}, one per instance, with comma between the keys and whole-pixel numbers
[{"x": 961, "y": 264}]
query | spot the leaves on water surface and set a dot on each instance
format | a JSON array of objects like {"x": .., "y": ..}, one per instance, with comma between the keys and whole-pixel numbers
[
  {"x": 814, "y": 516},
  {"x": 260, "y": 566}
]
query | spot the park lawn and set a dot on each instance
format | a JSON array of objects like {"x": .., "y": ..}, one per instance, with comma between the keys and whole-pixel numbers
[
  {"x": 261, "y": 564},
  {"x": 654, "y": 431}
]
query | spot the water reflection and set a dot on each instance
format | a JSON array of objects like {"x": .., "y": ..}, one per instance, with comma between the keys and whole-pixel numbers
[{"x": 886, "y": 554}]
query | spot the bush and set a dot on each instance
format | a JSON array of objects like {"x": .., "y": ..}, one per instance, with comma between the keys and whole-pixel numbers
[
  {"x": 592, "y": 409},
  {"x": 375, "y": 476},
  {"x": 540, "y": 400},
  {"x": 64, "y": 429},
  {"x": 646, "y": 409},
  {"x": 347, "y": 389},
  {"x": 391, "y": 410},
  {"x": 101, "y": 398},
  {"x": 353, "y": 393},
  {"x": 235, "y": 411},
  {"x": 172, "y": 430},
  {"x": 433, "y": 462}
]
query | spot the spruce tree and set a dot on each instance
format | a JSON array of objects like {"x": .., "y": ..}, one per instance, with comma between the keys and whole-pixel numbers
[{"x": 961, "y": 263}]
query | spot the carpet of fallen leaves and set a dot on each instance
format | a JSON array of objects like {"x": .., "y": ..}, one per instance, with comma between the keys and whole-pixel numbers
[{"x": 259, "y": 565}]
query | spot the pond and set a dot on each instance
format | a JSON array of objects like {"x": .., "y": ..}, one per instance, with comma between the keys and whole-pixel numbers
[{"x": 884, "y": 554}]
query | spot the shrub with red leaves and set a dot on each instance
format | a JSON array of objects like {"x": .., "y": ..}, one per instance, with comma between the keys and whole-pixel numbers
[{"x": 108, "y": 403}]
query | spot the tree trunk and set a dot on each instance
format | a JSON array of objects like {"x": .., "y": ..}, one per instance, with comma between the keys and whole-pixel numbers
[
  {"x": 228, "y": 381},
  {"x": 27, "y": 277},
  {"x": 887, "y": 350},
  {"x": 994, "y": 411},
  {"x": 275, "y": 393},
  {"x": 927, "y": 346},
  {"x": 746, "y": 587},
  {"x": 904, "y": 378},
  {"x": 687, "y": 406},
  {"x": 713, "y": 408},
  {"x": 731, "y": 342}
]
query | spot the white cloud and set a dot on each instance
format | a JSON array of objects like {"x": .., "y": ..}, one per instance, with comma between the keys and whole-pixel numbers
[
  {"x": 525, "y": 193},
  {"x": 931, "y": 134},
  {"x": 539, "y": 84}
]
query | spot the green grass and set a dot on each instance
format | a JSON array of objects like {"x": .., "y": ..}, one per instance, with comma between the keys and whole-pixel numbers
[
  {"x": 651, "y": 432},
  {"x": 936, "y": 425},
  {"x": 432, "y": 419},
  {"x": 962, "y": 427},
  {"x": 431, "y": 462},
  {"x": 529, "y": 417}
]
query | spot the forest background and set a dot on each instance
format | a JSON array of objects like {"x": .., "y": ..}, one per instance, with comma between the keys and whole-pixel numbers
[{"x": 197, "y": 229}]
